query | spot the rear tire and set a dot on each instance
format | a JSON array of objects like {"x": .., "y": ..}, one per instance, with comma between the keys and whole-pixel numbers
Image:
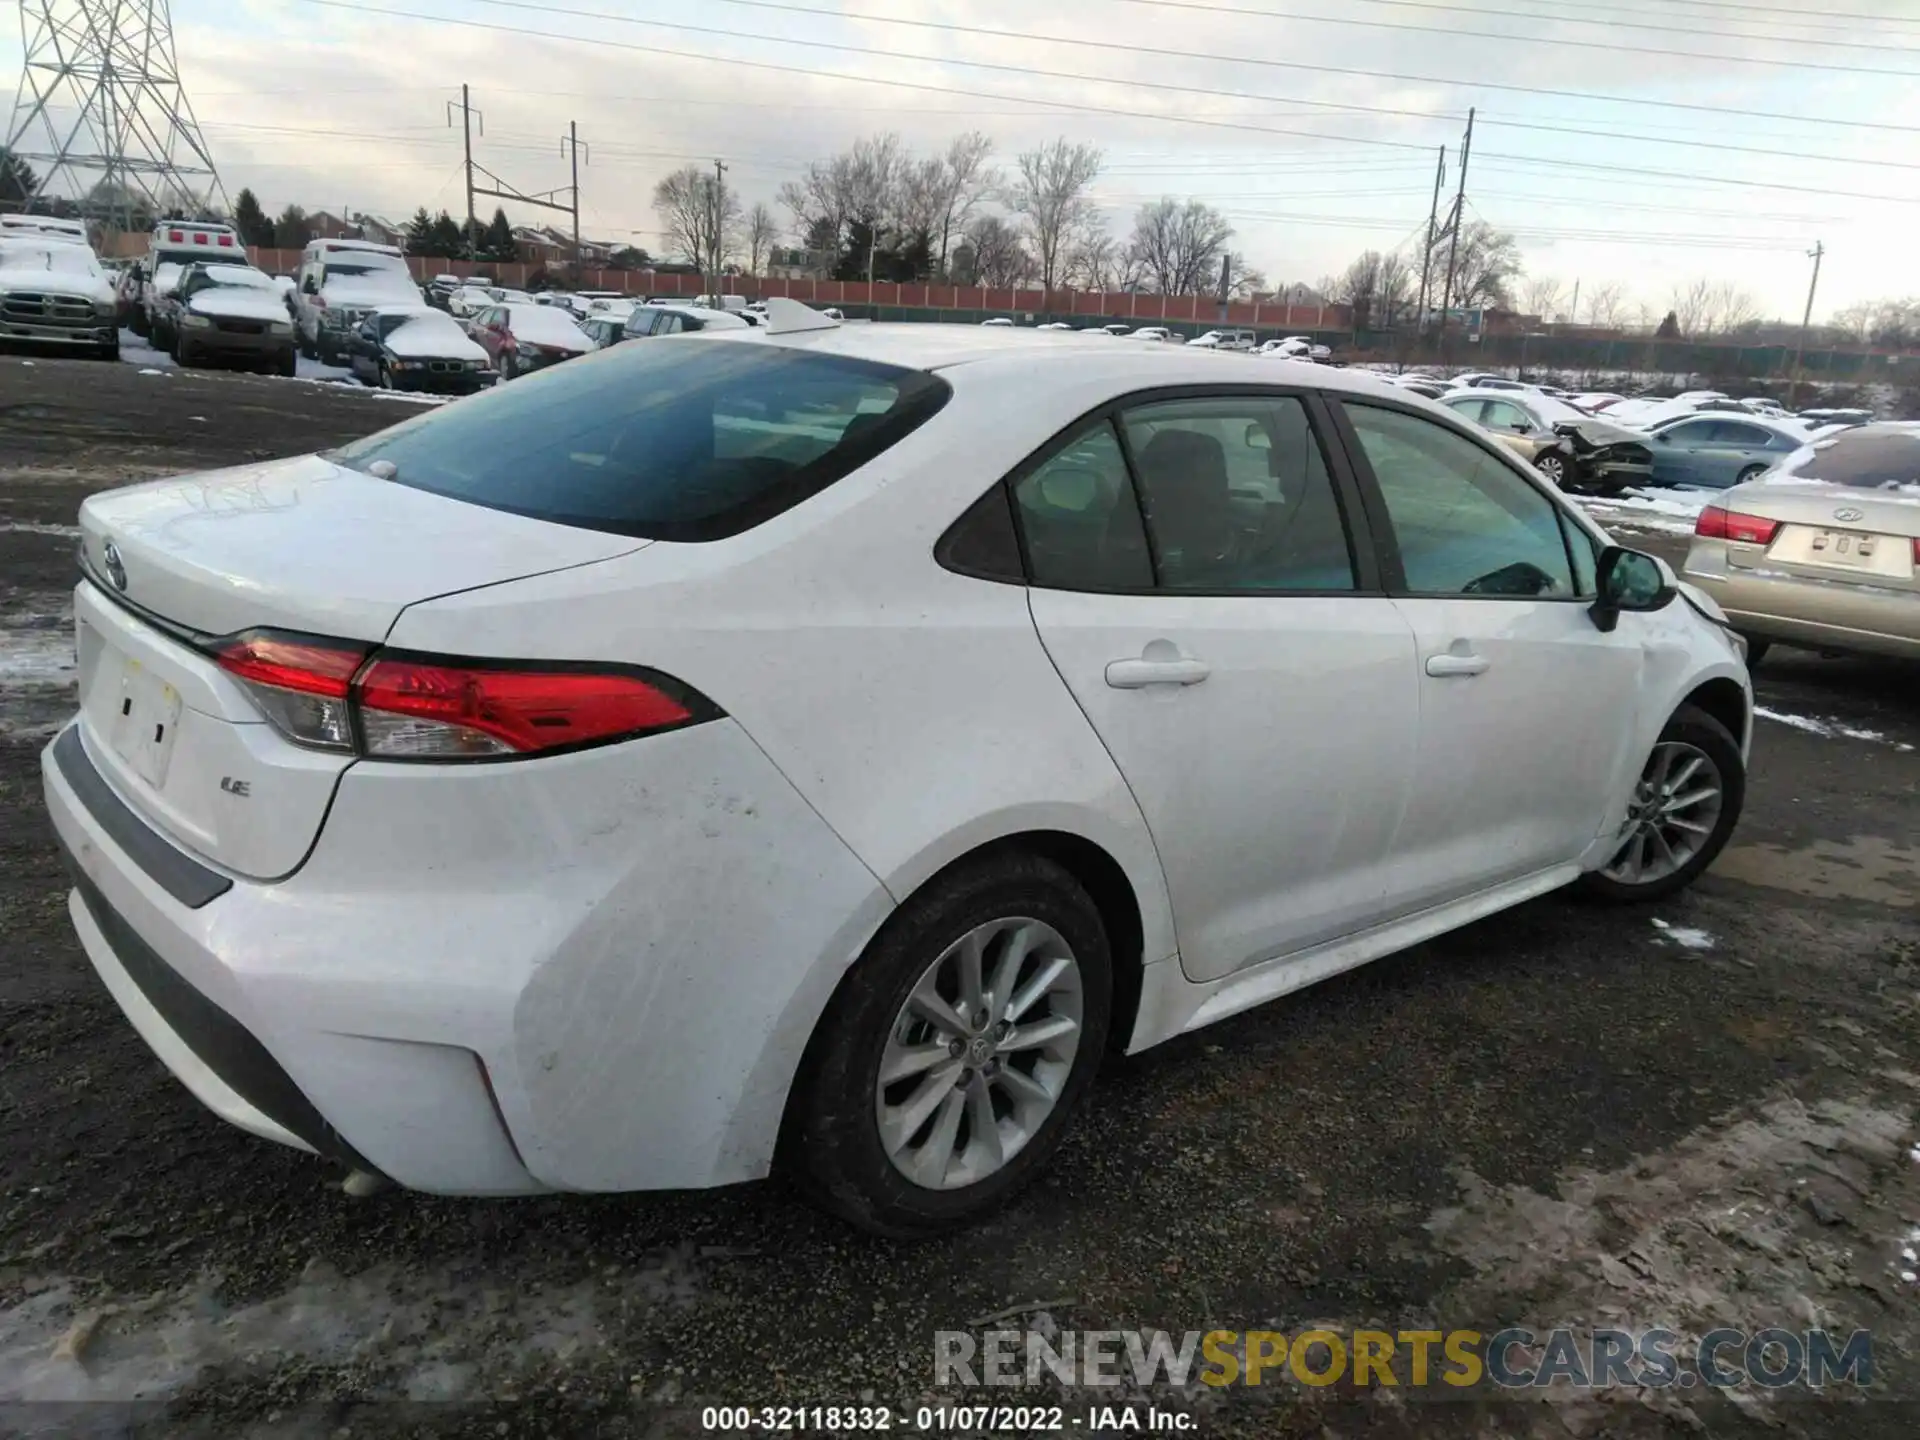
[
  {"x": 1752, "y": 472},
  {"x": 1700, "y": 755},
  {"x": 289, "y": 365},
  {"x": 1029, "y": 919}
]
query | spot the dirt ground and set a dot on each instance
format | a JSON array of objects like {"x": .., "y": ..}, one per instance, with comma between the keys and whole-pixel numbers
[{"x": 1695, "y": 1116}]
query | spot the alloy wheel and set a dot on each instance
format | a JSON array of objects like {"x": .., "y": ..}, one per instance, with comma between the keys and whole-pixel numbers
[
  {"x": 1675, "y": 807},
  {"x": 980, "y": 1054},
  {"x": 1553, "y": 467}
]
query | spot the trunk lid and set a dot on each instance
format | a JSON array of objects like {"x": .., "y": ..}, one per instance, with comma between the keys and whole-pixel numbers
[
  {"x": 1844, "y": 535},
  {"x": 309, "y": 545},
  {"x": 301, "y": 545}
]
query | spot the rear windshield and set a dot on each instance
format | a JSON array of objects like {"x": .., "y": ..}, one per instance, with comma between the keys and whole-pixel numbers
[
  {"x": 681, "y": 440},
  {"x": 1874, "y": 457}
]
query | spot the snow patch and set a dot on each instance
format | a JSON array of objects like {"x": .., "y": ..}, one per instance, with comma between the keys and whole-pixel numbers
[
  {"x": 1685, "y": 936},
  {"x": 1798, "y": 722},
  {"x": 150, "y": 370},
  {"x": 37, "y": 527}
]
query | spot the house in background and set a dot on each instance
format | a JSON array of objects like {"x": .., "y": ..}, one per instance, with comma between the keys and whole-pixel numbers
[{"x": 380, "y": 230}]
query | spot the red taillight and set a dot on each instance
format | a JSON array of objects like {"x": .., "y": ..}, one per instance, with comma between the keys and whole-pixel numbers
[
  {"x": 1718, "y": 524},
  {"x": 327, "y": 694},
  {"x": 227, "y": 240},
  {"x": 300, "y": 684},
  {"x": 176, "y": 236},
  {"x": 430, "y": 708}
]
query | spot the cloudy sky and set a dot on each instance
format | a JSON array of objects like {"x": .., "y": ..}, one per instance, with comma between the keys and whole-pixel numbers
[{"x": 1643, "y": 143}]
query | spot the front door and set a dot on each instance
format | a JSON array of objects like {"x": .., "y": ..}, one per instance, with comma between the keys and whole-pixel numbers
[
  {"x": 1527, "y": 708},
  {"x": 1196, "y": 588}
]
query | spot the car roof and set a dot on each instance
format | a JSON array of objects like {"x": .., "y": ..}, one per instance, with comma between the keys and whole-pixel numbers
[{"x": 990, "y": 351}]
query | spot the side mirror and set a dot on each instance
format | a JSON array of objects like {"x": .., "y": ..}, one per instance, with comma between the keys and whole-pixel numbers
[
  {"x": 1630, "y": 580},
  {"x": 1664, "y": 437}
]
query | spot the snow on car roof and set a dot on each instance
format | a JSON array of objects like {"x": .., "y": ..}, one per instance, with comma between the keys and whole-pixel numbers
[
  {"x": 544, "y": 322},
  {"x": 240, "y": 275}
]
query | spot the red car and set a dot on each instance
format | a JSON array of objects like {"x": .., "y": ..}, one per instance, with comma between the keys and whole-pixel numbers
[{"x": 519, "y": 338}]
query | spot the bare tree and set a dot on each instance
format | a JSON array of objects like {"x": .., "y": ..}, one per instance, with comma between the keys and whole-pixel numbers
[
  {"x": 1179, "y": 245},
  {"x": 1244, "y": 281},
  {"x": 997, "y": 254},
  {"x": 965, "y": 180},
  {"x": 1855, "y": 323},
  {"x": 1486, "y": 266},
  {"x": 1541, "y": 296},
  {"x": 1607, "y": 305},
  {"x": 1397, "y": 282},
  {"x": 1050, "y": 194},
  {"x": 698, "y": 215},
  {"x": 1095, "y": 260},
  {"x": 1692, "y": 304},
  {"x": 1728, "y": 308},
  {"x": 762, "y": 231}
]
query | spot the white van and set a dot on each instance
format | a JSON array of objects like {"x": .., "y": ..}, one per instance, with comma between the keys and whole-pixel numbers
[{"x": 340, "y": 283}]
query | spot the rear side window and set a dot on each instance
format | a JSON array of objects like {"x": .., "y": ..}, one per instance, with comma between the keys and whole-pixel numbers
[
  {"x": 667, "y": 442},
  {"x": 1081, "y": 519}
]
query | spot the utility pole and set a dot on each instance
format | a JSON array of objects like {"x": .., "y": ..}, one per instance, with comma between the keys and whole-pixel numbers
[
  {"x": 1806, "y": 319},
  {"x": 467, "y": 112},
  {"x": 1226, "y": 282},
  {"x": 1459, "y": 219},
  {"x": 1573, "y": 311},
  {"x": 720, "y": 221},
  {"x": 570, "y": 142},
  {"x": 1433, "y": 224}
]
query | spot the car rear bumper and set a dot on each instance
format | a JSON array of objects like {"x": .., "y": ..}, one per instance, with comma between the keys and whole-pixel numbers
[
  {"x": 1798, "y": 610},
  {"x": 590, "y": 972}
]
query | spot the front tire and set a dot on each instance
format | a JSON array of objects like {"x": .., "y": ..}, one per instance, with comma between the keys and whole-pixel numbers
[
  {"x": 1685, "y": 805},
  {"x": 1553, "y": 465},
  {"x": 955, "y": 1053}
]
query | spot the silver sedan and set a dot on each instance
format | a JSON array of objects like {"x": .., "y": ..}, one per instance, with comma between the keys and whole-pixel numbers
[{"x": 1823, "y": 550}]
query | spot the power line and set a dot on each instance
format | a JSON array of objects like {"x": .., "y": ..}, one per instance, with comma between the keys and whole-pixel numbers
[
  {"x": 1639, "y": 102},
  {"x": 1157, "y": 52},
  {"x": 1077, "y": 106},
  {"x": 1609, "y": 23},
  {"x": 1496, "y": 35},
  {"x": 1745, "y": 5}
]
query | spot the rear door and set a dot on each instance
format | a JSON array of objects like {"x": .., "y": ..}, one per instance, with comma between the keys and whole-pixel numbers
[
  {"x": 1195, "y": 581},
  {"x": 1526, "y": 707},
  {"x": 1690, "y": 454}
]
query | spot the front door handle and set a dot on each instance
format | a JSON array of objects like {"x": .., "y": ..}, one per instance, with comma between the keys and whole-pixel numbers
[
  {"x": 1444, "y": 666},
  {"x": 1138, "y": 674}
]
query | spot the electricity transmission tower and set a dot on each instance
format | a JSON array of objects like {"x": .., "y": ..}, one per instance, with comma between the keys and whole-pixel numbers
[{"x": 101, "y": 115}]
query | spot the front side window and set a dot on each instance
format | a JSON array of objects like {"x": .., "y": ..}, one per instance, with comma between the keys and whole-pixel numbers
[
  {"x": 1464, "y": 522},
  {"x": 661, "y": 441},
  {"x": 1080, "y": 519},
  {"x": 1505, "y": 415},
  {"x": 1237, "y": 496}
]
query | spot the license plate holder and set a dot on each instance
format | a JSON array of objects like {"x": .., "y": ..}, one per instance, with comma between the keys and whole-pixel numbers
[{"x": 146, "y": 717}]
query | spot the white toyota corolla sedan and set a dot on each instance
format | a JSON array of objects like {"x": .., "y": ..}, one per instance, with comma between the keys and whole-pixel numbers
[{"x": 816, "y": 750}]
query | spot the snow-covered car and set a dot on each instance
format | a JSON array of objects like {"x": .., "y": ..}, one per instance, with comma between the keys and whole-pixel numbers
[
  {"x": 603, "y": 330},
  {"x": 779, "y": 750},
  {"x": 1595, "y": 401},
  {"x": 998, "y": 320},
  {"x": 1293, "y": 348},
  {"x": 646, "y": 321},
  {"x": 342, "y": 283},
  {"x": 1764, "y": 405},
  {"x": 53, "y": 292},
  {"x": 1156, "y": 334},
  {"x": 417, "y": 347},
  {"x": 522, "y": 338},
  {"x": 234, "y": 314},
  {"x": 470, "y": 300},
  {"x": 1054, "y": 325},
  {"x": 1224, "y": 340},
  {"x": 52, "y": 227},
  {"x": 157, "y": 302}
]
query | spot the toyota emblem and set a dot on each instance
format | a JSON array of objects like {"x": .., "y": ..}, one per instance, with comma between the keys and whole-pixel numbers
[
  {"x": 1846, "y": 514},
  {"x": 116, "y": 570}
]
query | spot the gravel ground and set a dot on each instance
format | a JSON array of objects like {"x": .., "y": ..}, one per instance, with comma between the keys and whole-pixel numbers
[{"x": 1698, "y": 1115}]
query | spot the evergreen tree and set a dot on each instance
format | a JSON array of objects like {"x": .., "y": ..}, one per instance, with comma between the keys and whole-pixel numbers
[
  {"x": 251, "y": 221},
  {"x": 498, "y": 243},
  {"x": 1669, "y": 327},
  {"x": 292, "y": 231},
  {"x": 420, "y": 233},
  {"x": 448, "y": 242},
  {"x": 17, "y": 179}
]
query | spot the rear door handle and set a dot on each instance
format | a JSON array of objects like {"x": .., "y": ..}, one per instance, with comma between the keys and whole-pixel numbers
[
  {"x": 1138, "y": 674},
  {"x": 1443, "y": 666}
]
